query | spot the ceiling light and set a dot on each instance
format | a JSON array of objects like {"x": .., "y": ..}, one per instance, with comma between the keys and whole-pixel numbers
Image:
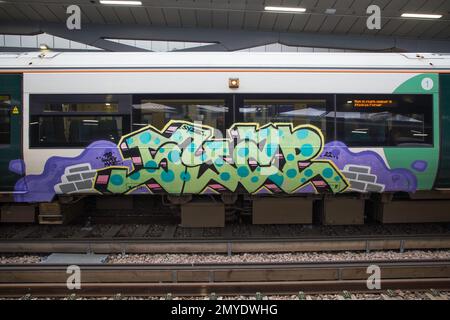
[
  {"x": 43, "y": 46},
  {"x": 423, "y": 16},
  {"x": 284, "y": 9},
  {"x": 330, "y": 11},
  {"x": 123, "y": 3}
]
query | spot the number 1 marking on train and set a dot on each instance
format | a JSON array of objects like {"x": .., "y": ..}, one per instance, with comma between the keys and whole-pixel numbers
[{"x": 427, "y": 84}]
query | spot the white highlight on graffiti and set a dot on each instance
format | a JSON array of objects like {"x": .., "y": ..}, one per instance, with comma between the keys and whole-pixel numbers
[
  {"x": 427, "y": 84},
  {"x": 374, "y": 280},
  {"x": 74, "y": 280},
  {"x": 374, "y": 20},
  {"x": 73, "y": 22},
  {"x": 379, "y": 151}
]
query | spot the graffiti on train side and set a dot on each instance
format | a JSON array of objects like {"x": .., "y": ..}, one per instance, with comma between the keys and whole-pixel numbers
[{"x": 188, "y": 158}]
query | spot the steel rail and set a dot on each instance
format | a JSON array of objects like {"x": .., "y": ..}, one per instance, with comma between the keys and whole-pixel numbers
[
  {"x": 230, "y": 279},
  {"x": 230, "y": 246}
]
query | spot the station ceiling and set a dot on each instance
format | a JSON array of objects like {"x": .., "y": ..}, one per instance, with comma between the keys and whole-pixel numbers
[{"x": 236, "y": 24}]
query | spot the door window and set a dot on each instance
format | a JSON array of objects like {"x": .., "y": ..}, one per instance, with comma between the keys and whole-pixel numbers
[
  {"x": 385, "y": 120},
  {"x": 5, "y": 120}
]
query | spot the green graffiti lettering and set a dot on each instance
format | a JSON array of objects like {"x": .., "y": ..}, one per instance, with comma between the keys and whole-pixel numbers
[{"x": 186, "y": 158}]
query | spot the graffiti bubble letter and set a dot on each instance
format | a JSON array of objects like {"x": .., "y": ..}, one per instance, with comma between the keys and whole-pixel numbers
[
  {"x": 74, "y": 20},
  {"x": 74, "y": 280},
  {"x": 374, "y": 280},
  {"x": 374, "y": 20}
]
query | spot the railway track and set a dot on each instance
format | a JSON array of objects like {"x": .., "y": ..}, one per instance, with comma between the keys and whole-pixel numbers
[
  {"x": 226, "y": 246},
  {"x": 223, "y": 279}
]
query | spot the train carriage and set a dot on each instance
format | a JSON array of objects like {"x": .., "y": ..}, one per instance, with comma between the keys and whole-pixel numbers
[{"x": 279, "y": 130}]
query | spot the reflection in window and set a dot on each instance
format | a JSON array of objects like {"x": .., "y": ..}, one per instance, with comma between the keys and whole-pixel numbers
[
  {"x": 60, "y": 131},
  {"x": 81, "y": 107},
  {"x": 297, "y": 112},
  {"x": 385, "y": 120},
  {"x": 77, "y": 120},
  {"x": 5, "y": 120},
  {"x": 159, "y": 112}
]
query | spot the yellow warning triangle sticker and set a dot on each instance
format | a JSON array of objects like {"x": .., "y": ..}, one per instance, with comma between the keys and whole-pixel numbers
[{"x": 15, "y": 110}]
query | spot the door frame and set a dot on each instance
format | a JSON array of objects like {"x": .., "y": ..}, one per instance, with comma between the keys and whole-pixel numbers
[{"x": 12, "y": 85}]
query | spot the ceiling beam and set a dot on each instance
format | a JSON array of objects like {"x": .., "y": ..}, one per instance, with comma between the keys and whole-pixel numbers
[
  {"x": 29, "y": 49},
  {"x": 222, "y": 39}
]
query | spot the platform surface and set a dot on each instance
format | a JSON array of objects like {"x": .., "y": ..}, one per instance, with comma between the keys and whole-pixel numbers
[{"x": 74, "y": 258}]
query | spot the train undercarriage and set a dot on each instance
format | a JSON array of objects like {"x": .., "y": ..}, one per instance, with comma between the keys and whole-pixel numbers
[{"x": 218, "y": 210}]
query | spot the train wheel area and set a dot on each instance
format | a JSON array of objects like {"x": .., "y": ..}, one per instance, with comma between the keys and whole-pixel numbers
[{"x": 217, "y": 211}]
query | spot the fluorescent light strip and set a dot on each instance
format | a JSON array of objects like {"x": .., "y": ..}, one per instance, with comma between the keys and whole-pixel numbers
[
  {"x": 284, "y": 9},
  {"x": 423, "y": 16},
  {"x": 123, "y": 3}
]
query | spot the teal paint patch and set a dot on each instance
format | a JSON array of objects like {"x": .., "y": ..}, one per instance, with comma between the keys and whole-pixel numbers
[
  {"x": 174, "y": 156},
  {"x": 243, "y": 172},
  {"x": 145, "y": 137},
  {"x": 277, "y": 179},
  {"x": 291, "y": 173},
  {"x": 167, "y": 176},
  {"x": 225, "y": 176},
  {"x": 327, "y": 173},
  {"x": 116, "y": 180},
  {"x": 185, "y": 176},
  {"x": 135, "y": 176},
  {"x": 302, "y": 134},
  {"x": 151, "y": 166},
  {"x": 308, "y": 172},
  {"x": 219, "y": 162},
  {"x": 307, "y": 150}
]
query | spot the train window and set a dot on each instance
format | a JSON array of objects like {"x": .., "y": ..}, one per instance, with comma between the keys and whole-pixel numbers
[
  {"x": 106, "y": 107},
  {"x": 5, "y": 120},
  {"x": 385, "y": 120},
  {"x": 296, "y": 111},
  {"x": 77, "y": 120},
  {"x": 158, "y": 112},
  {"x": 62, "y": 131},
  {"x": 76, "y": 104}
]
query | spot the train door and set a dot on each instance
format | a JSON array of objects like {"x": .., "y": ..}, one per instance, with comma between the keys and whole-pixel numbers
[
  {"x": 11, "y": 165},
  {"x": 443, "y": 177}
]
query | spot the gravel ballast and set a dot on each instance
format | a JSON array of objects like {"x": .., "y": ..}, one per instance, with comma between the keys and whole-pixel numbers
[
  {"x": 19, "y": 259},
  {"x": 276, "y": 257},
  {"x": 398, "y": 295},
  {"x": 246, "y": 258}
]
